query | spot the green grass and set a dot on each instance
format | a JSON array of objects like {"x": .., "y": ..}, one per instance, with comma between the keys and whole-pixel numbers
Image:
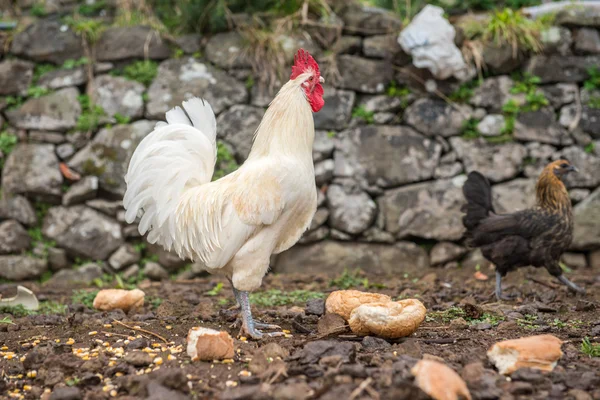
[
  {"x": 38, "y": 10},
  {"x": 226, "y": 162},
  {"x": 6, "y": 320},
  {"x": 37, "y": 239},
  {"x": 45, "y": 308},
  {"x": 362, "y": 113},
  {"x": 250, "y": 82},
  {"x": 71, "y": 64},
  {"x": 84, "y": 297},
  {"x": 122, "y": 119},
  {"x": 590, "y": 148},
  {"x": 353, "y": 279},
  {"x": 154, "y": 301},
  {"x": 89, "y": 119},
  {"x": 593, "y": 80},
  {"x": 446, "y": 316},
  {"x": 8, "y": 141},
  {"x": 489, "y": 318},
  {"x": 216, "y": 290},
  {"x": 89, "y": 29},
  {"x": 141, "y": 71},
  {"x": 470, "y": 130},
  {"x": 40, "y": 70},
  {"x": 37, "y": 91},
  {"x": 590, "y": 349},
  {"x": 464, "y": 92},
  {"x": 528, "y": 322},
  {"x": 13, "y": 102},
  {"x": 275, "y": 297},
  {"x": 90, "y": 10},
  {"x": 594, "y": 102}
]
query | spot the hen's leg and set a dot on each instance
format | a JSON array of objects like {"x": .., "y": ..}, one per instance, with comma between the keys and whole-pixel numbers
[
  {"x": 499, "y": 294},
  {"x": 257, "y": 324},
  {"x": 248, "y": 324},
  {"x": 563, "y": 279}
]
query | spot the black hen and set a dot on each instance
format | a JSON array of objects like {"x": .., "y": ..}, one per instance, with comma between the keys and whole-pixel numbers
[{"x": 535, "y": 237}]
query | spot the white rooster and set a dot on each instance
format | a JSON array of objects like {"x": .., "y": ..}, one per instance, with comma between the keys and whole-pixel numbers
[{"x": 235, "y": 223}]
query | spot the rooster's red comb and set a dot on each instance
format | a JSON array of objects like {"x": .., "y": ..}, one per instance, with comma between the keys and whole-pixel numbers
[{"x": 303, "y": 61}]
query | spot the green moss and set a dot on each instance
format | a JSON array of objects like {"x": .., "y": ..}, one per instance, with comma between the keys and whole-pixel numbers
[
  {"x": 45, "y": 308},
  {"x": 470, "y": 130},
  {"x": 141, "y": 71},
  {"x": 90, "y": 168},
  {"x": 8, "y": 141},
  {"x": 71, "y": 64},
  {"x": 593, "y": 80},
  {"x": 362, "y": 113},
  {"x": 93, "y": 9},
  {"x": 249, "y": 82},
  {"x": 40, "y": 70},
  {"x": 37, "y": 91},
  {"x": 38, "y": 10},
  {"x": 122, "y": 119},
  {"x": 89, "y": 119},
  {"x": 590, "y": 148}
]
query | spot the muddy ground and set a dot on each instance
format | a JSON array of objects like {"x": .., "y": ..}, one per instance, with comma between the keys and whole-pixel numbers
[{"x": 86, "y": 354}]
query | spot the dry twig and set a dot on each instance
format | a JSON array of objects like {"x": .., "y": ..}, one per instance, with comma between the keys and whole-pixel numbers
[{"x": 141, "y": 330}]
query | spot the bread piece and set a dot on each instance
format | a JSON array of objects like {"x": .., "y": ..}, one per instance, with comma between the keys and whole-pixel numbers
[
  {"x": 440, "y": 381},
  {"x": 113, "y": 299},
  {"x": 539, "y": 352},
  {"x": 206, "y": 344},
  {"x": 388, "y": 319},
  {"x": 342, "y": 302}
]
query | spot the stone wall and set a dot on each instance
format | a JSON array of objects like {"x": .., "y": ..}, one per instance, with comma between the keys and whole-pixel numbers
[{"x": 390, "y": 157}]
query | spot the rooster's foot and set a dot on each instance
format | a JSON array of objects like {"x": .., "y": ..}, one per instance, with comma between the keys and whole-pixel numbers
[
  {"x": 573, "y": 287},
  {"x": 250, "y": 327}
]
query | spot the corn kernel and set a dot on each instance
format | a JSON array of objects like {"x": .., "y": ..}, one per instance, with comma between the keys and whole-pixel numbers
[
  {"x": 92, "y": 333},
  {"x": 119, "y": 374},
  {"x": 113, "y": 393},
  {"x": 158, "y": 361},
  {"x": 228, "y": 361},
  {"x": 4, "y": 348},
  {"x": 245, "y": 373},
  {"x": 169, "y": 327},
  {"x": 231, "y": 383},
  {"x": 71, "y": 341},
  {"x": 32, "y": 374},
  {"x": 286, "y": 331},
  {"x": 107, "y": 325},
  {"x": 26, "y": 388}
]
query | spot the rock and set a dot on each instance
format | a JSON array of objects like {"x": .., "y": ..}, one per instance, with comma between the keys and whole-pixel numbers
[
  {"x": 365, "y": 20},
  {"x": 57, "y": 111},
  {"x": 169, "y": 260},
  {"x": 13, "y": 237},
  {"x": 384, "y": 103},
  {"x": 124, "y": 257},
  {"x": 481, "y": 381},
  {"x": 315, "y": 307},
  {"x": 381, "y": 46},
  {"x": 65, "y": 151},
  {"x": 376, "y": 235},
  {"x": 323, "y": 146},
  {"x": 352, "y": 210},
  {"x": 127, "y": 42},
  {"x": 491, "y": 125},
  {"x": 429, "y": 39},
  {"x": 180, "y": 79},
  {"x": 107, "y": 155},
  {"x": 402, "y": 155},
  {"x": 79, "y": 192},
  {"x": 324, "y": 172},
  {"x": 62, "y": 78},
  {"x": 575, "y": 260},
  {"x": 226, "y": 50},
  {"x": 117, "y": 95},
  {"x": 237, "y": 126},
  {"x": 429, "y": 210},
  {"x": 587, "y": 41},
  {"x": 82, "y": 276},
  {"x": 315, "y": 351},
  {"x": 47, "y": 40},
  {"x": 315, "y": 235},
  {"x": 515, "y": 195},
  {"x": 500, "y": 59},
  {"x": 347, "y": 45},
  {"x": 375, "y": 343},
  {"x": 586, "y": 214},
  {"x": 46, "y": 137},
  {"x": 556, "y": 39},
  {"x": 568, "y": 114},
  {"x": 189, "y": 43},
  {"x": 331, "y": 324},
  {"x": 82, "y": 231},
  {"x": 333, "y": 257},
  {"x": 155, "y": 272},
  {"x": 57, "y": 259},
  {"x": 66, "y": 393},
  {"x": 578, "y": 195},
  {"x": 560, "y": 94},
  {"x": 578, "y": 16},
  {"x": 447, "y": 170},
  {"x": 444, "y": 252},
  {"x": 587, "y": 165},
  {"x": 540, "y": 126},
  {"x": 555, "y": 68},
  {"x": 496, "y": 162},
  {"x": 337, "y": 110},
  {"x": 261, "y": 94},
  {"x": 138, "y": 359},
  {"x": 15, "y": 77},
  {"x": 131, "y": 272},
  {"x": 590, "y": 121},
  {"x": 436, "y": 117},
  {"x": 32, "y": 170},
  {"x": 17, "y": 208},
  {"x": 21, "y": 268},
  {"x": 493, "y": 93},
  {"x": 110, "y": 208},
  {"x": 319, "y": 218},
  {"x": 362, "y": 75}
]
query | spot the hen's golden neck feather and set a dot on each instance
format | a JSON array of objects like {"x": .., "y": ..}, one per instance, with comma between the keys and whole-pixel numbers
[{"x": 551, "y": 192}]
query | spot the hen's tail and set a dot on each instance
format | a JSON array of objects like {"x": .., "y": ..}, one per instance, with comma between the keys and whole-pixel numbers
[
  {"x": 176, "y": 155},
  {"x": 478, "y": 193}
]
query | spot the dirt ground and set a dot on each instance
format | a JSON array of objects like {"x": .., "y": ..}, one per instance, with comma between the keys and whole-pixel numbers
[{"x": 86, "y": 354}]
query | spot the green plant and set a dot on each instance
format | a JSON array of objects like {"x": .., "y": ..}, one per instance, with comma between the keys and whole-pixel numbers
[
  {"x": 155, "y": 301},
  {"x": 489, "y": 318},
  {"x": 353, "y": 279},
  {"x": 331, "y": 134},
  {"x": 557, "y": 323},
  {"x": 38, "y": 10},
  {"x": 70, "y": 63},
  {"x": 250, "y": 82},
  {"x": 89, "y": 119},
  {"x": 393, "y": 90},
  {"x": 37, "y": 91},
  {"x": 122, "y": 119},
  {"x": 590, "y": 349},
  {"x": 590, "y": 148},
  {"x": 464, "y": 92},
  {"x": 535, "y": 101},
  {"x": 225, "y": 161},
  {"x": 526, "y": 84},
  {"x": 89, "y": 29},
  {"x": 178, "y": 53},
  {"x": 594, "y": 102},
  {"x": 362, "y": 113},
  {"x": 45, "y": 307},
  {"x": 593, "y": 80},
  {"x": 38, "y": 240},
  {"x": 216, "y": 290},
  {"x": 528, "y": 322},
  {"x": 6, "y": 320},
  {"x": 275, "y": 297},
  {"x": 85, "y": 297},
  {"x": 470, "y": 130},
  {"x": 446, "y": 315},
  {"x": 13, "y": 102},
  {"x": 8, "y": 141},
  {"x": 40, "y": 70},
  {"x": 90, "y": 10},
  {"x": 74, "y": 381},
  {"x": 141, "y": 71}
]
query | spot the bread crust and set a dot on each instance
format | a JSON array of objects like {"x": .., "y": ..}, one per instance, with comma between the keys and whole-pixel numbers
[
  {"x": 439, "y": 381},
  {"x": 539, "y": 352},
  {"x": 388, "y": 320},
  {"x": 113, "y": 299},
  {"x": 342, "y": 302},
  {"x": 204, "y": 344}
]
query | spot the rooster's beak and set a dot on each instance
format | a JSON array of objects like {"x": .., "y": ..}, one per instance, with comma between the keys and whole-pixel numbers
[
  {"x": 321, "y": 79},
  {"x": 572, "y": 168}
]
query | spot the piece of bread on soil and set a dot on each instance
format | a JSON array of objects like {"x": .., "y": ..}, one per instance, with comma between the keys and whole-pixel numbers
[
  {"x": 440, "y": 381},
  {"x": 539, "y": 352},
  {"x": 342, "y": 302},
  {"x": 204, "y": 344},
  {"x": 113, "y": 299},
  {"x": 390, "y": 320}
]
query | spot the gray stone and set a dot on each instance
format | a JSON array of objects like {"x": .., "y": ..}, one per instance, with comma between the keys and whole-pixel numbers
[
  {"x": 13, "y": 237},
  {"x": 324, "y": 172},
  {"x": 46, "y": 137},
  {"x": 227, "y": 50},
  {"x": 376, "y": 235},
  {"x": 83, "y": 232},
  {"x": 447, "y": 170},
  {"x": 314, "y": 236},
  {"x": 555, "y": 68},
  {"x": 539, "y": 156},
  {"x": 127, "y": 42},
  {"x": 363, "y": 75},
  {"x": 117, "y": 95},
  {"x": 189, "y": 43},
  {"x": 560, "y": 94},
  {"x": 333, "y": 258},
  {"x": 155, "y": 272},
  {"x": 169, "y": 260},
  {"x": 497, "y": 162},
  {"x": 47, "y": 40},
  {"x": 107, "y": 155},
  {"x": 82, "y": 276},
  {"x": 366, "y": 21},
  {"x": 492, "y": 93},
  {"x": 262, "y": 94},
  {"x": 57, "y": 259},
  {"x": 515, "y": 195},
  {"x": 500, "y": 59},
  {"x": 65, "y": 151},
  {"x": 110, "y": 208},
  {"x": 339, "y": 235},
  {"x": 444, "y": 252},
  {"x": 568, "y": 114},
  {"x": 15, "y": 77},
  {"x": 587, "y": 164},
  {"x": 32, "y": 170},
  {"x": 323, "y": 146},
  {"x": 79, "y": 192},
  {"x": 62, "y": 78},
  {"x": 436, "y": 117},
  {"x": 429, "y": 210},
  {"x": 556, "y": 39},
  {"x": 575, "y": 260},
  {"x": 180, "y": 79},
  {"x": 57, "y": 111},
  {"x": 21, "y": 268},
  {"x": 66, "y": 393},
  {"x": 384, "y": 103},
  {"x": 381, "y": 46},
  {"x": 237, "y": 126},
  {"x": 385, "y": 156},
  {"x": 491, "y": 125},
  {"x": 578, "y": 16},
  {"x": 586, "y": 216},
  {"x": 319, "y": 219},
  {"x": 347, "y": 45},
  {"x": 337, "y": 110},
  {"x": 315, "y": 307},
  {"x": 577, "y": 195},
  {"x": 590, "y": 121},
  {"x": 124, "y": 257},
  {"x": 540, "y": 126},
  {"x": 18, "y": 208},
  {"x": 352, "y": 210},
  {"x": 587, "y": 41},
  {"x": 131, "y": 271},
  {"x": 384, "y": 118}
]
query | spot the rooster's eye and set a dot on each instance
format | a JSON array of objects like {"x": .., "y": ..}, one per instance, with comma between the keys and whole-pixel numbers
[
  {"x": 310, "y": 79},
  {"x": 564, "y": 165}
]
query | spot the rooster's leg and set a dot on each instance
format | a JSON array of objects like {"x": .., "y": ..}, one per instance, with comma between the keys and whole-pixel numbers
[
  {"x": 563, "y": 279},
  {"x": 248, "y": 324},
  {"x": 257, "y": 324},
  {"x": 499, "y": 294}
]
